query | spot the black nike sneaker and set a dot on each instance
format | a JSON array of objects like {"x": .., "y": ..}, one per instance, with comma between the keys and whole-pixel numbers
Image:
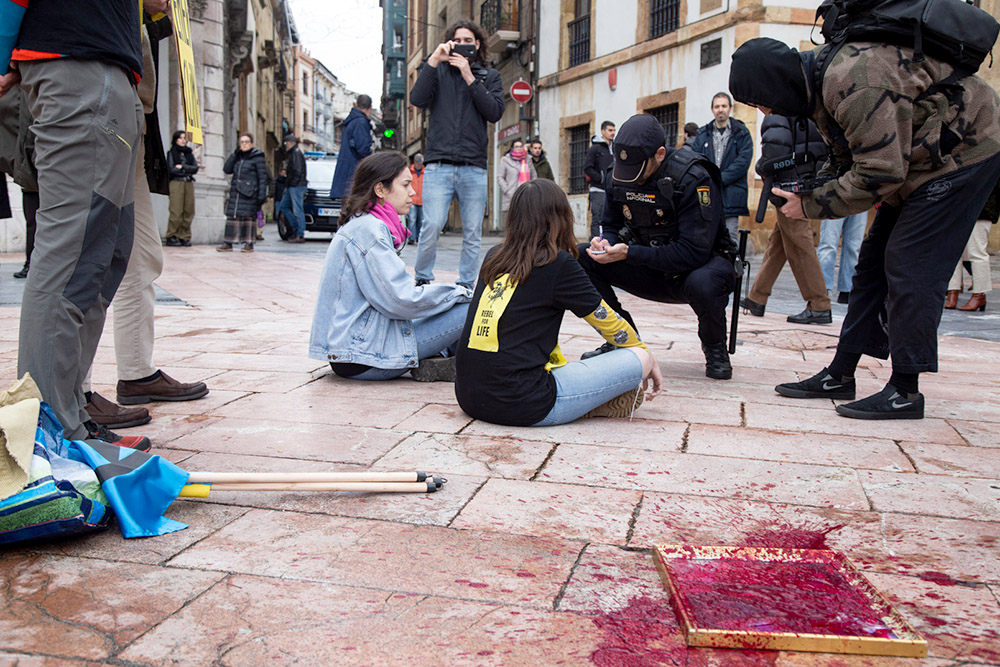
[
  {"x": 887, "y": 404},
  {"x": 821, "y": 385}
]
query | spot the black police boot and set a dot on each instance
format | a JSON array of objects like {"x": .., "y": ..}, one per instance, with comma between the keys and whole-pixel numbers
[
  {"x": 812, "y": 317},
  {"x": 23, "y": 273},
  {"x": 889, "y": 403},
  {"x": 821, "y": 385},
  {"x": 717, "y": 364},
  {"x": 607, "y": 347},
  {"x": 752, "y": 307}
]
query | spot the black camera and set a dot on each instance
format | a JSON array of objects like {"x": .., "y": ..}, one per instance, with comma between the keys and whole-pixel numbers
[{"x": 467, "y": 50}]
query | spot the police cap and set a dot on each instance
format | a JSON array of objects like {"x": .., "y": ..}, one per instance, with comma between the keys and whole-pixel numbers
[{"x": 636, "y": 142}]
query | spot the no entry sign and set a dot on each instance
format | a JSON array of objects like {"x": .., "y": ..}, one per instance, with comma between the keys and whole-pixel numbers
[{"x": 520, "y": 91}]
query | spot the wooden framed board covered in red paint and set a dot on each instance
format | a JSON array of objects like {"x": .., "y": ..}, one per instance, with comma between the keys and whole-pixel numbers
[{"x": 780, "y": 599}]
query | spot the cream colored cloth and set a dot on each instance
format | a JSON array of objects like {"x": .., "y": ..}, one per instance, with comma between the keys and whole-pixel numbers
[{"x": 19, "y": 408}]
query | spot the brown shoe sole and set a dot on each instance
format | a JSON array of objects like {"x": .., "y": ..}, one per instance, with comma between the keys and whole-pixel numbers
[{"x": 622, "y": 405}]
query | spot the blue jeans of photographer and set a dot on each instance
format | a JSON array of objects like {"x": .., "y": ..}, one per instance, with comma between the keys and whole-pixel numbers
[
  {"x": 583, "y": 385},
  {"x": 442, "y": 183}
]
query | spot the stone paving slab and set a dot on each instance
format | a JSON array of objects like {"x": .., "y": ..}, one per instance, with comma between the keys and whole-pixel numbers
[{"x": 537, "y": 551}]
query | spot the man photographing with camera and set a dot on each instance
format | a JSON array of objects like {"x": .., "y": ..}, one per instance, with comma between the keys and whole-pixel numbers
[
  {"x": 463, "y": 95},
  {"x": 664, "y": 237},
  {"x": 912, "y": 132}
]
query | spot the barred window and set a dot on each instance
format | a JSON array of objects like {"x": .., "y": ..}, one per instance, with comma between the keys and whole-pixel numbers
[
  {"x": 667, "y": 117},
  {"x": 664, "y": 17},
  {"x": 579, "y": 142},
  {"x": 579, "y": 41}
]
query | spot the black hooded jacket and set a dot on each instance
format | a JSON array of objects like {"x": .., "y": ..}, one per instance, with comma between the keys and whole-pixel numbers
[{"x": 456, "y": 129}]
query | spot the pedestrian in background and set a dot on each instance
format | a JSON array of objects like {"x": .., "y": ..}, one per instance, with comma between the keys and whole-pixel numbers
[
  {"x": 792, "y": 238},
  {"x": 515, "y": 168},
  {"x": 463, "y": 95},
  {"x": 975, "y": 253},
  {"x": 355, "y": 145},
  {"x": 690, "y": 135},
  {"x": 596, "y": 163},
  {"x": 416, "y": 215},
  {"x": 183, "y": 167},
  {"x": 847, "y": 232},
  {"x": 17, "y": 158},
  {"x": 542, "y": 166},
  {"x": 295, "y": 189},
  {"x": 727, "y": 142},
  {"x": 247, "y": 193}
]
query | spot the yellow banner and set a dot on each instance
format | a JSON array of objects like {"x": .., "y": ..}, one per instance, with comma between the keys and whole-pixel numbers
[{"x": 185, "y": 56}]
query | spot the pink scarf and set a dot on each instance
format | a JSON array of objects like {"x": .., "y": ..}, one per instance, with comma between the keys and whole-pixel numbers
[
  {"x": 387, "y": 214},
  {"x": 523, "y": 171}
]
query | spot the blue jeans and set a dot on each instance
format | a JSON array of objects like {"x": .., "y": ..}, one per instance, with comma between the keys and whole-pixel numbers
[
  {"x": 291, "y": 206},
  {"x": 442, "y": 183},
  {"x": 852, "y": 230},
  {"x": 583, "y": 385},
  {"x": 413, "y": 220},
  {"x": 434, "y": 335}
]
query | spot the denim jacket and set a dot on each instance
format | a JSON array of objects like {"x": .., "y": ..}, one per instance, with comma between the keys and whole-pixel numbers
[{"x": 367, "y": 300}]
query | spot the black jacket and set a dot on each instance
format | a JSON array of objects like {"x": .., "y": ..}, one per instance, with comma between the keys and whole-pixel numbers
[
  {"x": 735, "y": 163},
  {"x": 182, "y": 155},
  {"x": 104, "y": 30},
  {"x": 700, "y": 222},
  {"x": 295, "y": 169},
  {"x": 248, "y": 190},
  {"x": 456, "y": 129},
  {"x": 598, "y": 160},
  {"x": 802, "y": 142}
]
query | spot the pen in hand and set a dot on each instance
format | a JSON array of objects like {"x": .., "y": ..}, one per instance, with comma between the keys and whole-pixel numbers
[{"x": 600, "y": 231}]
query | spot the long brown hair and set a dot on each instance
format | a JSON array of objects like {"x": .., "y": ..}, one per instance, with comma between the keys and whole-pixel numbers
[
  {"x": 382, "y": 167},
  {"x": 539, "y": 225}
]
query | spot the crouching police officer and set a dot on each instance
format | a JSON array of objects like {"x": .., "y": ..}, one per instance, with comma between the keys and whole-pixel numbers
[{"x": 664, "y": 235}]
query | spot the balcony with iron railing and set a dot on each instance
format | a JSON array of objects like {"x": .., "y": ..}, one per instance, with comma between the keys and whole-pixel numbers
[{"x": 499, "y": 18}]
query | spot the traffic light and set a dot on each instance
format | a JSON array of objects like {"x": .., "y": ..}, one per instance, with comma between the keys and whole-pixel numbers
[{"x": 389, "y": 133}]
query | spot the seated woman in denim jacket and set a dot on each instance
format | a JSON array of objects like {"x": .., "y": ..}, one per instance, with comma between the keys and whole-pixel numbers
[
  {"x": 510, "y": 368},
  {"x": 371, "y": 321}
]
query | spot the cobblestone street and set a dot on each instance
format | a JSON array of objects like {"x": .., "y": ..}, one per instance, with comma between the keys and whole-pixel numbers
[{"x": 537, "y": 551}]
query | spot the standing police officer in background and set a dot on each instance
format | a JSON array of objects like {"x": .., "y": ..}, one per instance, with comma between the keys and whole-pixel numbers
[{"x": 665, "y": 237}]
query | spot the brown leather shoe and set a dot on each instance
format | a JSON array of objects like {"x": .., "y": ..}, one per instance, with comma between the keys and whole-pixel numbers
[
  {"x": 951, "y": 299},
  {"x": 111, "y": 415},
  {"x": 163, "y": 388},
  {"x": 976, "y": 302}
]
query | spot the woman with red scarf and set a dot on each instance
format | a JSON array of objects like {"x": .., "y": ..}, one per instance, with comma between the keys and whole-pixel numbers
[{"x": 516, "y": 167}]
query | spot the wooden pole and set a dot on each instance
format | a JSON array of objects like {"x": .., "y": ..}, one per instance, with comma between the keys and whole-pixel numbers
[
  {"x": 202, "y": 490},
  {"x": 295, "y": 477}
]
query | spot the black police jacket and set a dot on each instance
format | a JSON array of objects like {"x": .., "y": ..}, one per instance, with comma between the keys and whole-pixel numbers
[{"x": 698, "y": 231}]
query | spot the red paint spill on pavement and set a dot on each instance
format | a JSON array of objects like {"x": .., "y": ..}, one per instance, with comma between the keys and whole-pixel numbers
[
  {"x": 770, "y": 596},
  {"x": 789, "y": 537},
  {"x": 642, "y": 634}
]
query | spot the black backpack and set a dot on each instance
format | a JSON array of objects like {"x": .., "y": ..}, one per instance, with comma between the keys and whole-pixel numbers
[{"x": 950, "y": 30}]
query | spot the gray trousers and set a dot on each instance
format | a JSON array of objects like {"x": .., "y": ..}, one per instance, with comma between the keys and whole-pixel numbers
[
  {"x": 597, "y": 200},
  {"x": 88, "y": 120}
]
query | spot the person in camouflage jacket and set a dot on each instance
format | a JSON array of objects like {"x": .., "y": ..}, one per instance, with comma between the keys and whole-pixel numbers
[{"x": 913, "y": 136}]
